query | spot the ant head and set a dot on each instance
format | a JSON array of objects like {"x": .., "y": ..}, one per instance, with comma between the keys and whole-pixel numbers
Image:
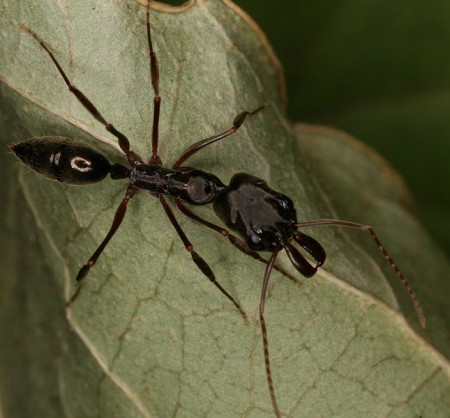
[{"x": 265, "y": 218}]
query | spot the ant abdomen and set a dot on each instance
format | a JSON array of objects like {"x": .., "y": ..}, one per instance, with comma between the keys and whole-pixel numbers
[{"x": 62, "y": 159}]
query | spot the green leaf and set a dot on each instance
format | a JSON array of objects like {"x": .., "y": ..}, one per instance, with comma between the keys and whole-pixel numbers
[
  {"x": 380, "y": 70},
  {"x": 149, "y": 335}
]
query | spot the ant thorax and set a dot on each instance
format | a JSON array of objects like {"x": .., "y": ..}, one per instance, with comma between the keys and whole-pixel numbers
[{"x": 189, "y": 185}]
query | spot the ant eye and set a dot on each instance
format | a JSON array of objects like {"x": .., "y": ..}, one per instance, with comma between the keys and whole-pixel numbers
[{"x": 255, "y": 242}]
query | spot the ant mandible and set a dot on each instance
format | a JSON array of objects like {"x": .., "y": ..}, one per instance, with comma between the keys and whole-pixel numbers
[{"x": 264, "y": 218}]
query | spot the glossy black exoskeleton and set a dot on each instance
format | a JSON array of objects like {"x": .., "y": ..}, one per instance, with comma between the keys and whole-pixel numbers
[
  {"x": 63, "y": 160},
  {"x": 264, "y": 218},
  {"x": 192, "y": 186}
]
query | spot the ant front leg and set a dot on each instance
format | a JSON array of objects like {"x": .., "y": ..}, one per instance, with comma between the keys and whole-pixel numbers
[
  {"x": 118, "y": 218},
  {"x": 198, "y": 260},
  {"x": 194, "y": 148},
  {"x": 238, "y": 243}
]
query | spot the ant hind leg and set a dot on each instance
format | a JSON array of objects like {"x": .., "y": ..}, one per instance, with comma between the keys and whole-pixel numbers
[
  {"x": 124, "y": 143},
  {"x": 118, "y": 218}
]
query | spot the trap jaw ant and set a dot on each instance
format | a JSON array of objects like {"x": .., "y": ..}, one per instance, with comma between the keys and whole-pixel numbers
[{"x": 265, "y": 219}]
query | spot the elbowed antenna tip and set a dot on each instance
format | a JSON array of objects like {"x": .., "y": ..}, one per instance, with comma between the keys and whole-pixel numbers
[{"x": 422, "y": 320}]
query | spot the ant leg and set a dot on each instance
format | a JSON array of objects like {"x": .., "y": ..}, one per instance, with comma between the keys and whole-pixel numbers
[
  {"x": 124, "y": 143},
  {"x": 239, "y": 244},
  {"x": 194, "y": 148},
  {"x": 118, "y": 218},
  {"x": 273, "y": 398},
  {"x": 369, "y": 230},
  {"x": 154, "y": 76},
  {"x": 198, "y": 260}
]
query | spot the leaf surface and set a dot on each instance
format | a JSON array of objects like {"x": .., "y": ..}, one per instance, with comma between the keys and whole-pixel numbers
[
  {"x": 379, "y": 70},
  {"x": 149, "y": 335}
]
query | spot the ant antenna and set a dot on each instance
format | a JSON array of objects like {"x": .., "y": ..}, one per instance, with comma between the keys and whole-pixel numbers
[
  {"x": 269, "y": 266},
  {"x": 369, "y": 229}
]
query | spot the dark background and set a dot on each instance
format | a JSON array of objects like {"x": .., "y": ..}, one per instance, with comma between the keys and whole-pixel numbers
[{"x": 379, "y": 70}]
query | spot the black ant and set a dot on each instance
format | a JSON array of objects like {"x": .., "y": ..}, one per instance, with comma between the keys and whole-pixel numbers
[{"x": 263, "y": 217}]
